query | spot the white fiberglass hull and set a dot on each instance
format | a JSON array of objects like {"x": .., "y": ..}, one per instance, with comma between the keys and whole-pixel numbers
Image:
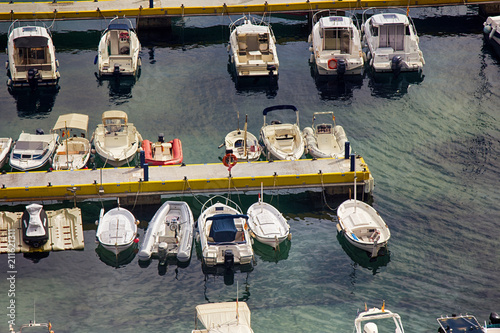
[
  {"x": 235, "y": 141},
  {"x": 32, "y": 151},
  {"x": 267, "y": 224},
  {"x": 116, "y": 230}
]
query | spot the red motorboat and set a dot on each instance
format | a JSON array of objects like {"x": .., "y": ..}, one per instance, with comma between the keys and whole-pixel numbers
[{"x": 162, "y": 153}]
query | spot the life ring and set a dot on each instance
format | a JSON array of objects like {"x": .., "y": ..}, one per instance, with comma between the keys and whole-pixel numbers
[
  {"x": 332, "y": 63},
  {"x": 229, "y": 157}
]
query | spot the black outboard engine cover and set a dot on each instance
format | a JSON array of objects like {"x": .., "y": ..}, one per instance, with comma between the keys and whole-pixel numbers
[
  {"x": 494, "y": 318},
  {"x": 161, "y": 137},
  {"x": 34, "y": 223},
  {"x": 229, "y": 259},
  {"x": 116, "y": 70},
  {"x": 39, "y": 131},
  {"x": 271, "y": 69},
  {"x": 33, "y": 78},
  {"x": 396, "y": 64},
  {"x": 341, "y": 67}
]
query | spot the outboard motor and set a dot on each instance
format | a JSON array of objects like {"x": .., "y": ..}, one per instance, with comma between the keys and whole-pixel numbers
[
  {"x": 271, "y": 69},
  {"x": 39, "y": 131},
  {"x": 396, "y": 64},
  {"x": 34, "y": 223},
  {"x": 228, "y": 259},
  {"x": 494, "y": 318},
  {"x": 370, "y": 328},
  {"x": 161, "y": 137},
  {"x": 33, "y": 78},
  {"x": 341, "y": 67},
  {"x": 116, "y": 70},
  {"x": 162, "y": 251}
]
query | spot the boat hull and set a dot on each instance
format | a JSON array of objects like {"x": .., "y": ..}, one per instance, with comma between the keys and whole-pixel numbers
[
  {"x": 116, "y": 229},
  {"x": 32, "y": 151},
  {"x": 5, "y": 145},
  {"x": 288, "y": 145},
  {"x": 72, "y": 154},
  {"x": 235, "y": 140},
  {"x": 173, "y": 148},
  {"x": 267, "y": 224}
]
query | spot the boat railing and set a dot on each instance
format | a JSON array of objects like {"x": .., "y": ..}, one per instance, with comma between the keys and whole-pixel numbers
[
  {"x": 252, "y": 19},
  {"x": 218, "y": 198},
  {"x": 18, "y": 24},
  {"x": 118, "y": 18}
]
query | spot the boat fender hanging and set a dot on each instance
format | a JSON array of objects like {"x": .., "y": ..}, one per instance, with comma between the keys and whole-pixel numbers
[
  {"x": 332, "y": 63},
  {"x": 229, "y": 160}
]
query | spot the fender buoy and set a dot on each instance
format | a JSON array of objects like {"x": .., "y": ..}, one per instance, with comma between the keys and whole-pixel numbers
[
  {"x": 229, "y": 160},
  {"x": 332, "y": 63}
]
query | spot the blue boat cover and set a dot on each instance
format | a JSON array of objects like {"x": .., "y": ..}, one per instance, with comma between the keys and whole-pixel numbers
[
  {"x": 223, "y": 228},
  {"x": 118, "y": 26}
]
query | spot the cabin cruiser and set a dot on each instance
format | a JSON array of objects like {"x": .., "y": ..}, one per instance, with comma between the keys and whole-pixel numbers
[{"x": 33, "y": 151}]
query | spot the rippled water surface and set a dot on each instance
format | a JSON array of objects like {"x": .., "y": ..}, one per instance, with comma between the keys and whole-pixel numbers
[{"x": 432, "y": 146}]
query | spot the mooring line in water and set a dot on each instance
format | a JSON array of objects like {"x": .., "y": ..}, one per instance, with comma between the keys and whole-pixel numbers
[{"x": 323, "y": 191}]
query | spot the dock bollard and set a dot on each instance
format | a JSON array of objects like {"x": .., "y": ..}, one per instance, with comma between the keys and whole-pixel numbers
[
  {"x": 142, "y": 156},
  {"x": 347, "y": 149},
  {"x": 151, "y": 4},
  {"x": 145, "y": 166},
  {"x": 353, "y": 161}
]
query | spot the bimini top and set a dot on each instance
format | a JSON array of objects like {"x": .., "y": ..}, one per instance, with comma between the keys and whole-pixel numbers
[
  {"x": 217, "y": 316},
  {"x": 72, "y": 120},
  {"x": 30, "y": 36},
  {"x": 118, "y": 26},
  {"x": 335, "y": 22},
  {"x": 389, "y": 18},
  {"x": 278, "y": 107},
  {"x": 114, "y": 114}
]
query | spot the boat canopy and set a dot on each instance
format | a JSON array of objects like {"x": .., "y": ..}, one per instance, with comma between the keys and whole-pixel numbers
[
  {"x": 72, "y": 120},
  {"x": 389, "y": 18},
  {"x": 335, "y": 22},
  {"x": 118, "y": 26},
  {"x": 278, "y": 107},
  {"x": 31, "y": 41},
  {"x": 223, "y": 228},
  {"x": 114, "y": 114},
  {"x": 218, "y": 315}
]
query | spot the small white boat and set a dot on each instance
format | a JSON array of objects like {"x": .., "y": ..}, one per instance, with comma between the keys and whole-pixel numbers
[
  {"x": 74, "y": 150},
  {"x": 117, "y": 229},
  {"x": 392, "y": 42},
  {"x": 326, "y": 139},
  {"x": 225, "y": 317},
  {"x": 243, "y": 144},
  {"x": 252, "y": 48},
  {"x": 116, "y": 140},
  {"x": 468, "y": 323},
  {"x": 33, "y": 151},
  {"x": 170, "y": 233},
  {"x": 335, "y": 45},
  {"x": 282, "y": 141},
  {"x": 32, "y": 326},
  {"x": 118, "y": 50},
  {"x": 5, "y": 145},
  {"x": 362, "y": 225},
  {"x": 491, "y": 32},
  {"x": 223, "y": 236},
  {"x": 32, "y": 59},
  {"x": 381, "y": 315},
  {"x": 267, "y": 224}
]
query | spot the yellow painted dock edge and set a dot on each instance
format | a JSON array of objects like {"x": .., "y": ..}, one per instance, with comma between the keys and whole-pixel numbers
[
  {"x": 187, "y": 186},
  {"x": 186, "y": 10}
]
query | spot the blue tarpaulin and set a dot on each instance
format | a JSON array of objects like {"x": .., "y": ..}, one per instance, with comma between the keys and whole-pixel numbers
[{"x": 223, "y": 228}]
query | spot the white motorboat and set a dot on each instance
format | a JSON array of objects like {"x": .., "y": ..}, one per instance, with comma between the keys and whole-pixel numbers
[
  {"x": 5, "y": 145},
  {"x": 224, "y": 317},
  {"x": 32, "y": 59},
  {"x": 282, "y": 141},
  {"x": 32, "y": 326},
  {"x": 170, "y": 233},
  {"x": 252, "y": 48},
  {"x": 223, "y": 236},
  {"x": 370, "y": 316},
  {"x": 468, "y": 323},
  {"x": 491, "y": 32},
  {"x": 33, "y": 151},
  {"x": 362, "y": 225},
  {"x": 267, "y": 224},
  {"x": 326, "y": 139},
  {"x": 118, "y": 50},
  {"x": 392, "y": 42},
  {"x": 117, "y": 229},
  {"x": 116, "y": 140},
  {"x": 243, "y": 144},
  {"x": 74, "y": 150},
  {"x": 335, "y": 45}
]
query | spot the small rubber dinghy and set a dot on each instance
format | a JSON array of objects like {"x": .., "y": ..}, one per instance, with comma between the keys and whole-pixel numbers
[
  {"x": 161, "y": 152},
  {"x": 326, "y": 140},
  {"x": 35, "y": 226}
]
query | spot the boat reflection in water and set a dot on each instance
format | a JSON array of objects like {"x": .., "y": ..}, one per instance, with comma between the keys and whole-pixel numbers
[
  {"x": 253, "y": 85},
  {"x": 120, "y": 88},
  {"x": 119, "y": 260},
  {"x": 332, "y": 87},
  {"x": 268, "y": 253},
  {"x": 389, "y": 85},
  {"x": 362, "y": 257},
  {"x": 164, "y": 263},
  {"x": 34, "y": 103}
]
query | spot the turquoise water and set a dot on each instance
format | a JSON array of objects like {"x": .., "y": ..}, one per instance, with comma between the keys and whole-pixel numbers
[{"x": 432, "y": 147}]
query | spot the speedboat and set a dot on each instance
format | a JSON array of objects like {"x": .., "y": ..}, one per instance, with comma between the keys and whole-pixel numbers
[
  {"x": 117, "y": 229},
  {"x": 33, "y": 151},
  {"x": 5, "y": 145},
  {"x": 267, "y": 224},
  {"x": 243, "y": 144},
  {"x": 223, "y": 236},
  {"x": 375, "y": 314},
  {"x": 491, "y": 32},
  {"x": 282, "y": 141},
  {"x": 252, "y": 48},
  {"x": 170, "y": 233},
  {"x": 116, "y": 140},
  {"x": 118, "y": 50},
  {"x": 32, "y": 59},
  {"x": 335, "y": 45},
  {"x": 35, "y": 227},
  {"x": 468, "y": 323},
  {"x": 362, "y": 225},
  {"x": 326, "y": 139},
  {"x": 161, "y": 152},
  {"x": 74, "y": 150},
  {"x": 392, "y": 42},
  {"x": 32, "y": 326},
  {"x": 223, "y": 317}
]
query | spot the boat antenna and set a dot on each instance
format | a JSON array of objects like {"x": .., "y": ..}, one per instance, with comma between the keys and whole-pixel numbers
[
  {"x": 34, "y": 312},
  {"x": 355, "y": 202},
  {"x": 261, "y": 198},
  {"x": 239, "y": 122},
  {"x": 237, "y": 315},
  {"x": 245, "y": 138}
]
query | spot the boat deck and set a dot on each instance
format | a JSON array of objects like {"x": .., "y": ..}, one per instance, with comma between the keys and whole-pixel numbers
[{"x": 65, "y": 232}]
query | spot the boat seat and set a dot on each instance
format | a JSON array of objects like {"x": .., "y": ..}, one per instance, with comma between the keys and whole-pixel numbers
[{"x": 71, "y": 152}]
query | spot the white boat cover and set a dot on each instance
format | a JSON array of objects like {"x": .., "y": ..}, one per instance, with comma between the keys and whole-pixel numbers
[
  {"x": 225, "y": 317},
  {"x": 72, "y": 120}
]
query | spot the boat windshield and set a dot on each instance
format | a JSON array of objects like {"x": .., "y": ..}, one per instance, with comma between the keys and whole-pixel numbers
[
  {"x": 337, "y": 39},
  {"x": 392, "y": 35},
  {"x": 114, "y": 125}
]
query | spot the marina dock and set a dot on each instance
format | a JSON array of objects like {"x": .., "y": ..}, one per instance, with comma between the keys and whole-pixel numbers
[{"x": 333, "y": 175}]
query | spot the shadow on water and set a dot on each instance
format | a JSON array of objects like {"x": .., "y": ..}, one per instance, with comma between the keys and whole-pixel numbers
[
  {"x": 34, "y": 103},
  {"x": 120, "y": 88},
  {"x": 333, "y": 87},
  {"x": 388, "y": 85},
  {"x": 267, "y": 85},
  {"x": 35, "y": 257},
  {"x": 361, "y": 257},
  {"x": 268, "y": 253},
  {"x": 163, "y": 264},
  {"x": 117, "y": 260}
]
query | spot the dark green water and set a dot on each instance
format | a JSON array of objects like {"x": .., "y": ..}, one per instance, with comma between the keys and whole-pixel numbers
[{"x": 432, "y": 147}]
